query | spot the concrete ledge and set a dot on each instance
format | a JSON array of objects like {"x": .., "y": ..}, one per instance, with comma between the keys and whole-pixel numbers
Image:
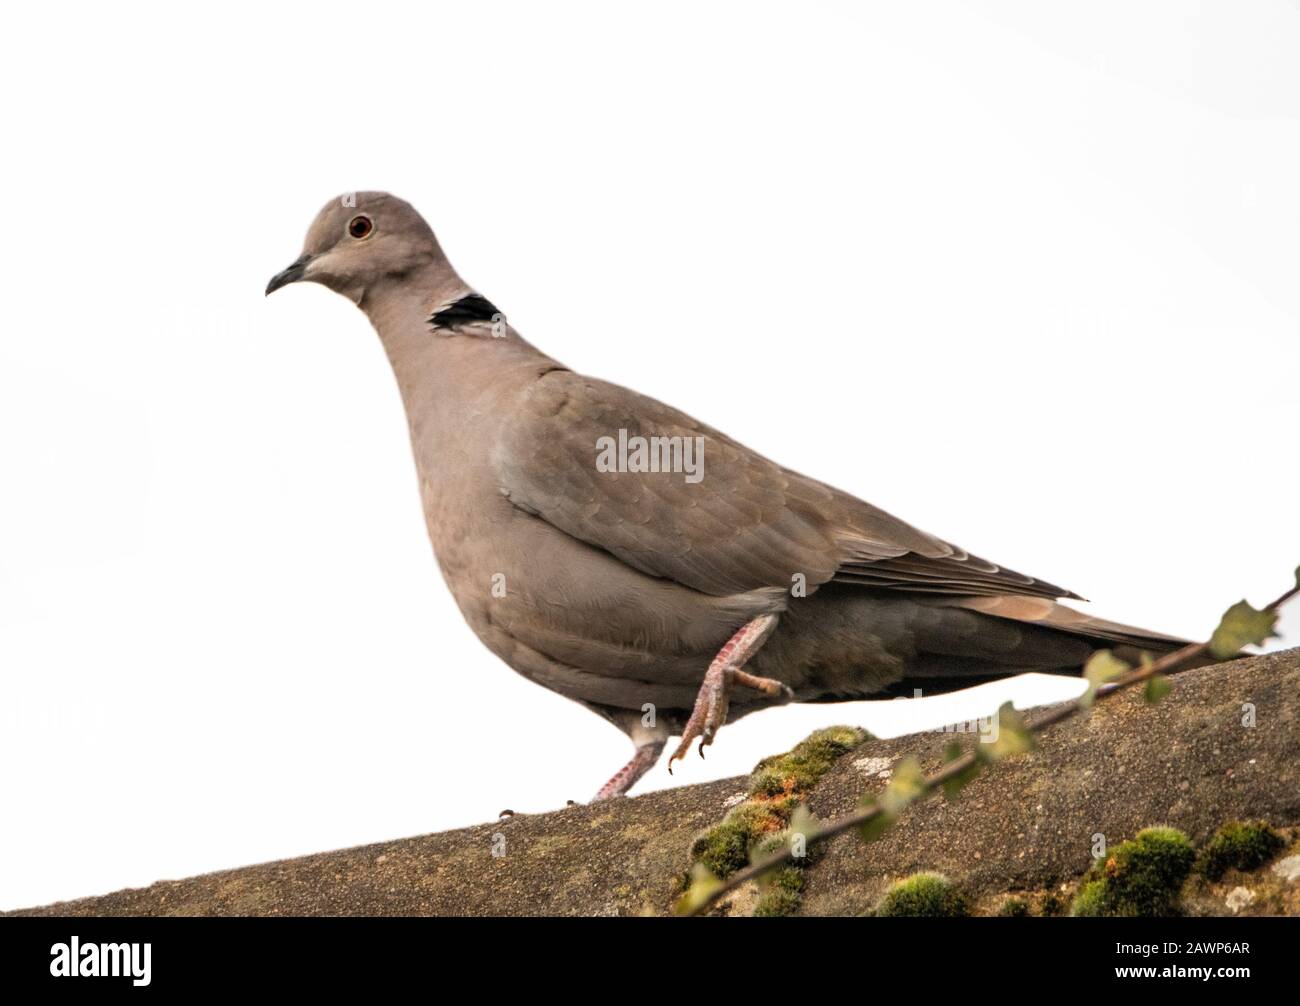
[{"x": 1027, "y": 826}]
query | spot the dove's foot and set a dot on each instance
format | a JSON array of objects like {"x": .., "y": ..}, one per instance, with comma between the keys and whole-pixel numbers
[
  {"x": 724, "y": 673},
  {"x": 625, "y": 778}
]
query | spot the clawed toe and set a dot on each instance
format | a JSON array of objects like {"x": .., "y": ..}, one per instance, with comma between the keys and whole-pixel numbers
[
  {"x": 713, "y": 701},
  {"x": 710, "y": 712}
]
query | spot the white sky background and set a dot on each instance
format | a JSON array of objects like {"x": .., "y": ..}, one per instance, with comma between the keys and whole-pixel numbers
[{"x": 1026, "y": 276}]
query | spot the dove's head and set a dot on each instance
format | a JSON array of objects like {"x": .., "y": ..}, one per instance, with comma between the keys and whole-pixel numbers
[{"x": 359, "y": 241}]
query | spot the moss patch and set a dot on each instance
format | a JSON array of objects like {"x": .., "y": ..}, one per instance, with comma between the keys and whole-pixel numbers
[
  {"x": 1014, "y": 908},
  {"x": 777, "y": 786},
  {"x": 1091, "y": 901},
  {"x": 724, "y": 848},
  {"x": 782, "y": 890},
  {"x": 800, "y": 768},
  {"x": 1239, "y": 845},
  {"x": 923, "y": 895},
  {"x": 1139, "y": 878}
]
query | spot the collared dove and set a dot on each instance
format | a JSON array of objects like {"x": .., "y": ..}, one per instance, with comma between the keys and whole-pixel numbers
[{"x": 635, "y": 560}]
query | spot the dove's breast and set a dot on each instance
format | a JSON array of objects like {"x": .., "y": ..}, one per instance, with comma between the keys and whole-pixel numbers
[{"x": 573, "y": 617}]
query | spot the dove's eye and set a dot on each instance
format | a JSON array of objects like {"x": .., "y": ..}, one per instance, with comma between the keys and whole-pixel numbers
[{"x": 359, "y": 227}]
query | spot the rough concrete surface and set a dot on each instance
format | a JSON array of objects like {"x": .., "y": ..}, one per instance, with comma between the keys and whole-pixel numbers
[{"x": 1026, "y": 826}]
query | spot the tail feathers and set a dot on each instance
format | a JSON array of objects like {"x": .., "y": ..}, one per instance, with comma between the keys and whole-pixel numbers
[
  {"x": 1059, "y": 642},
  {"x": 1128, "y": 642}
]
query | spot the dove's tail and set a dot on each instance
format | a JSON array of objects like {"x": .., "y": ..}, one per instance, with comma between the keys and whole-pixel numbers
[
  {"x": 1051, "y": 639},
  {"x": 1128, "y": 642}
]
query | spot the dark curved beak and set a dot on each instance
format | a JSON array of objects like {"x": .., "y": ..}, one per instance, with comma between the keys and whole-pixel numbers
[{"x": 287, "y": 276}]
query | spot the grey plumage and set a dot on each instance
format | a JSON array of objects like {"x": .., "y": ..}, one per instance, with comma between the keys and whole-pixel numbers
[{"x": 618, "y": 588}]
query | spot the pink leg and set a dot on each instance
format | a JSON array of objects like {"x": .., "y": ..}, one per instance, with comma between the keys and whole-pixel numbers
[
  {"x": 625, "y": 778},
  {"x": 712, "y": 702}
]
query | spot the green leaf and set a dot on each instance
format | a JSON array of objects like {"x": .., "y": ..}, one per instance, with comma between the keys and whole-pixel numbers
[
  {"x": 872, "y": 829},
  {"x": 1241, "y": 626},
  {"x": 804, "y": 822},
  {"x": 1102, "y": 666},
  {"x": 907, "y": 783},
  {"x": 1157, "y": 688},
  {"x": 955, "y": 784},
  {"x": 703, "y": 883},
  {"x": 1013, "y": 736}
]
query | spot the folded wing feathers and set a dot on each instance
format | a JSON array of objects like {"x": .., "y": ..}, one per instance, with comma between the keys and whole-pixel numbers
[
  {"x": 748, "y": 524},
  {"x": 959, "y": 573}
]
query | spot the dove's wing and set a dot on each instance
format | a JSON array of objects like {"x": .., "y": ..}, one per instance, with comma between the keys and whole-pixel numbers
[{"x": 746, "y": 523}]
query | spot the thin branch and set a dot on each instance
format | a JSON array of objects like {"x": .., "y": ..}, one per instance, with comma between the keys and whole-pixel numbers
[{"x": 1170, "y": 663}]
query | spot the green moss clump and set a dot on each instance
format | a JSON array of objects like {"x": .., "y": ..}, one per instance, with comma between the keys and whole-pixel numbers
[
  {"x": 755, "y": 828},
  {"x": 777, "y": 904},
  {"x": 724, "y": 848},
  {"x": 1141, "y": 878},
  {"x": 800, "y": 768},
  {"x": 1091, "y": 900},
  {"x": 1240, "y": 845},
  {"x": 1014, "y": 908},
  {"x": 783, "y": 889},
  {"x": 928, "y": 895}
]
